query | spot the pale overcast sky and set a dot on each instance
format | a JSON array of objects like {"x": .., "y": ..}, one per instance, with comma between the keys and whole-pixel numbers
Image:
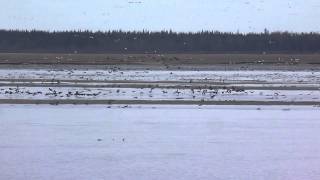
[{"x": 178, "y": 15}]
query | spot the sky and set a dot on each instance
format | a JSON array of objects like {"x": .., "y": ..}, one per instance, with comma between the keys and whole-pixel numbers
[{"x": 155, "y": 15}]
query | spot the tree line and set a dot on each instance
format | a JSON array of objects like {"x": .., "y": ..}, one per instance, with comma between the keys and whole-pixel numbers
[{"x": 158, "y": 42}]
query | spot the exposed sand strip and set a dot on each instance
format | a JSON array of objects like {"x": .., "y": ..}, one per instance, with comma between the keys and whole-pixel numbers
[
  {"x": 155, "y": 102},
  {"x": 168, "y": 86}
]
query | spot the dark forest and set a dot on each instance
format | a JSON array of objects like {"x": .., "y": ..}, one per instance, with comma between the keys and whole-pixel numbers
[{"x": 158, "y": 42}]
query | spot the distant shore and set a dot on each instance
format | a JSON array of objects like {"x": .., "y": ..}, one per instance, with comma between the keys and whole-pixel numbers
[{"x": 164, "y": 61}]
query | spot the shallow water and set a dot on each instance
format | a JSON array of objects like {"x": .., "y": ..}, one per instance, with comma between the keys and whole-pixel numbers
[{"x": 159, "y": 142}]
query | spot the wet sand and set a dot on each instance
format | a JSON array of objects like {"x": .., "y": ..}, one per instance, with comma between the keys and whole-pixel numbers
[{"x": 230, "y": 79}]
